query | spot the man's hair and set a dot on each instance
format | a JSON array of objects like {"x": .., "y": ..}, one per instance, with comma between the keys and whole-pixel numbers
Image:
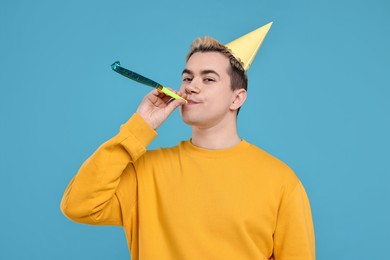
[{"x": 238, "y": 77}]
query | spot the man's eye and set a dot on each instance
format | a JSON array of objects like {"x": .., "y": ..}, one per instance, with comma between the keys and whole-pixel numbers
[
  {"x": 209, "y": 80},
  {"x": 187, "y": 79}
]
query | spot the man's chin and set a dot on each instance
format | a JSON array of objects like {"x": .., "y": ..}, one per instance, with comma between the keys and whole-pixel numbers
[{"x": 189, "y": 121}]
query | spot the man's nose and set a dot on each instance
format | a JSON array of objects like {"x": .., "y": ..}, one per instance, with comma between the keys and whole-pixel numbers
[{"x": 193, "y": 87}]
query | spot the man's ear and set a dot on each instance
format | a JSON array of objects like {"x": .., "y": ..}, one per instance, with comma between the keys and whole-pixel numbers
[{"x": 238, "y": 99}]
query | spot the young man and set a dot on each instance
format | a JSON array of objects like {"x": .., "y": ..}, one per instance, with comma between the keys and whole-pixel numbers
[{"x": 214, "y": 196}]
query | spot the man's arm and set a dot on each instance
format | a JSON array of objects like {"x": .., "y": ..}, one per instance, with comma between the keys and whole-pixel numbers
[
  {"x": 294, "y": 234},
  {"x": 92, "y": 196}
]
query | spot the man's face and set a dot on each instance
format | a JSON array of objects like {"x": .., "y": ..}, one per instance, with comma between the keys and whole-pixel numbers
[{"x": 206, "y": 81}]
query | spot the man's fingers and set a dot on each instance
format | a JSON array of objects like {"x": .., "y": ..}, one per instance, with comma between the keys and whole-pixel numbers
[{"x": 173, "y": 104}]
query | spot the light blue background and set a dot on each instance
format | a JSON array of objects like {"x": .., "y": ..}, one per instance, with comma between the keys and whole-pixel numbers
[{"x": 319, "y": 100}]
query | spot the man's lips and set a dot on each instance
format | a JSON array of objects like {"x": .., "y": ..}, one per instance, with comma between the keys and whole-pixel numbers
[{"x": 192, "y": 102}]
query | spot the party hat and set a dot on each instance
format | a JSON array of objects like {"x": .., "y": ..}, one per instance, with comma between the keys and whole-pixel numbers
[{"x": 247, "y": 46}]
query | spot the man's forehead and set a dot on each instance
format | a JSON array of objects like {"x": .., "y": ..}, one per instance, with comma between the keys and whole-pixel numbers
[{"x": 207, "y": 62}]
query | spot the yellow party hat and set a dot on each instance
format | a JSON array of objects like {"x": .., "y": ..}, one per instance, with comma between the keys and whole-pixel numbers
[{"x": 247, "y": 46}]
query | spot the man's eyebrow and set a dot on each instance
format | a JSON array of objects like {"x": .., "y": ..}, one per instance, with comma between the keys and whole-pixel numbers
[
  {"x": 187, "y": 71},
  {"x": 203, "y": 72}
]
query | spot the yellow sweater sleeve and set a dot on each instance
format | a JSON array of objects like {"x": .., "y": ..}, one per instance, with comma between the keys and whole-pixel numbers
[
  {"x": 294, "y": 234},
  {"x": 92, "y": 195}
]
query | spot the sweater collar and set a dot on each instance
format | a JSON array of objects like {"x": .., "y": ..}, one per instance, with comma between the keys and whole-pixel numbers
[{"x": 190, "y": 148}]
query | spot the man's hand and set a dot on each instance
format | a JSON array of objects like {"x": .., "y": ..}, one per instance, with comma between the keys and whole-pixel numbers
[{"x": 156, "y": 107}]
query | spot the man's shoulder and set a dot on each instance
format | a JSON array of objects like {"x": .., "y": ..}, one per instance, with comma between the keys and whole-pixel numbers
[
  {"x": 269, "y": 163},
  {"x": 260, "y": 153}
]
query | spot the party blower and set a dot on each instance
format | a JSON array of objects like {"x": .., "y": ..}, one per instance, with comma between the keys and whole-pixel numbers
[{"x": 143, "y": 80}]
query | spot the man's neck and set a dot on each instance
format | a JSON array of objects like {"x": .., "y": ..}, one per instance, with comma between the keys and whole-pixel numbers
[{"x": 216, "y": 137}]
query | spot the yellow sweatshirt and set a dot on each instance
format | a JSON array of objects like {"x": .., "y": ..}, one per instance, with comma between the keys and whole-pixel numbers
[{"x": 189, "y": 203}]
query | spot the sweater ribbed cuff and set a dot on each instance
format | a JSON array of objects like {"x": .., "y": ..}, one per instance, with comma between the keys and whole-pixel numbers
[{"x": 138, "y": 127}]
